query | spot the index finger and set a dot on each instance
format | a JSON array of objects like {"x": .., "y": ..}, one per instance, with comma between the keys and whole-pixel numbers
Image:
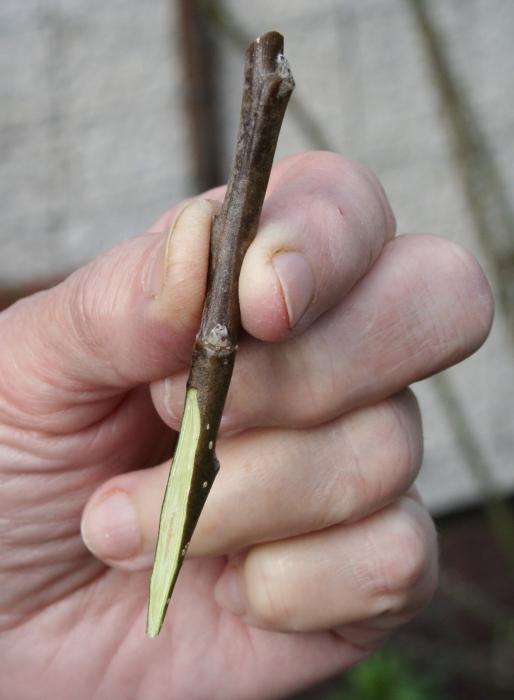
[{"x": 323, "y": 225}]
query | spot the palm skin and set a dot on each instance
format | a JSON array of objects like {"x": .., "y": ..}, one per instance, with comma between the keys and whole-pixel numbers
[{"x": 86, "y": 630}]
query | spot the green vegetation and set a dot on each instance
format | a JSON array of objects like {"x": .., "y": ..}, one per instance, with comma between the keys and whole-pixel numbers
[{"x": 388, "y": 675}]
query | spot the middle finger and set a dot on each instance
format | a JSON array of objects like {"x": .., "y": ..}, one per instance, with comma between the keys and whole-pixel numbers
[{"x": 273, "y": 484}]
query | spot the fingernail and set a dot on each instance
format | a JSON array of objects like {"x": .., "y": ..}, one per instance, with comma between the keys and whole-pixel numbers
[
  {"x": 297, "y": 282},
  {"x": 110, "y": 528},
  {"x": 168, "y": 398},
  {"x": 155, "y": 274},
  {"x": 215, "y": 204},
  {"x": 229, "y": 591},
  {"x": 156, "y": 271}
]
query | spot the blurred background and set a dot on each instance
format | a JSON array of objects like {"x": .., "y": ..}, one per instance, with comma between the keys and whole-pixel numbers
[{"x": 111, "y": 112}]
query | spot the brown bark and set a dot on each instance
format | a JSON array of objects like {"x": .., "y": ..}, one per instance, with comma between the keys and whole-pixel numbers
[{"x": 267, "y": 87}]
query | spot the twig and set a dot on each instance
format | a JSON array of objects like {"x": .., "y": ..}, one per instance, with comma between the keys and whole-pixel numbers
[
  {"x": 224, "y": 21},
  {"x": 268, "y": 86}
]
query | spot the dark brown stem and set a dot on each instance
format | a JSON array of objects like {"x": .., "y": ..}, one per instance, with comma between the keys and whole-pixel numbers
[{"x": 267, "y": 88}]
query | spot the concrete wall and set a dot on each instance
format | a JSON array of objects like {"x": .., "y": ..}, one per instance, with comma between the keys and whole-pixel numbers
[{"x": 94, "y": 146}]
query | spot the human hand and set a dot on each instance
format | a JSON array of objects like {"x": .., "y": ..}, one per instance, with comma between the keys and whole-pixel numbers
[{"x": 312, "y": 526}]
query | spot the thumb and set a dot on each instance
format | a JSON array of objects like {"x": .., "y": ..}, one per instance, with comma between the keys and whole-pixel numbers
[{"x": 127, "y": 318}]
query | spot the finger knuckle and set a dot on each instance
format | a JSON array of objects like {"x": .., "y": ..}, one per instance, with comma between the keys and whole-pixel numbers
[
  {"x": 327, "y": 161},
  {"x": 336, "y": 173},
  {"x": 405, "y": 561},
  {"x": 269, "y": 603},
  {"x": 372, "y": 208},
  {"x": 373, "y": 474}
]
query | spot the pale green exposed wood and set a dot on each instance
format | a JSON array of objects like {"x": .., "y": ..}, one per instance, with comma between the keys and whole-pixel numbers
[{"x": 169, "y": 552}]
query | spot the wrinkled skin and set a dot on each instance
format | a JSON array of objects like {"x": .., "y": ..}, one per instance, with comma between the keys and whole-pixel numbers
[{"x": 314, "y": 544}]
